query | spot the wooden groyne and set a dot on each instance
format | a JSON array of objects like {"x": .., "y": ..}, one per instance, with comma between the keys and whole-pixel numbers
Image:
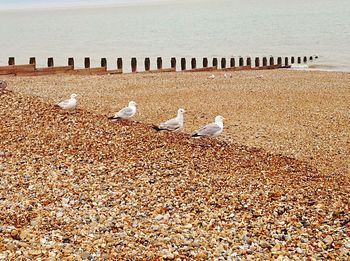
[{"x": 233, "y": 64}]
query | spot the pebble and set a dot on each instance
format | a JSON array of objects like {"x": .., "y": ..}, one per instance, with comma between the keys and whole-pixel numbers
[
  {"x": 189, "y": 208},
  {"x": 347, "y": 244},
  {"x": 300, "y": 250},
  {"x": 159, "y": 217}
]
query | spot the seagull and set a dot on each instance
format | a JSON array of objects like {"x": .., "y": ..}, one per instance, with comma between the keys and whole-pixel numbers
[
  {"x": 126, "y": 112},
  {"x": 211, "y": 77},
  {"x": 3, "y": 85},
  {"x": 173, "y": 124},
  {"x": 212, "y": 130},
  {"x": 69, "y": 103}
]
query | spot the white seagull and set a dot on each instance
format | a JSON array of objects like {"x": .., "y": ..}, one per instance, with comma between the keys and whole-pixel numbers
[
  {"x": 126, "y": 112},
  {"x": 3, "y": 85},
  {"x": 173, "y": 124},
  {"x": 212, "y": 130},
  {"x": 69, "y": 103}
]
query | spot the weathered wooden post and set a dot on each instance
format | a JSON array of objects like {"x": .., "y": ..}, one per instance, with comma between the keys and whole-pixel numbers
[
  {"x": 215, "y": 62},
  {"x": 50, "y": 62},
  {"x": 299, "y": 60},
  {"x": 264, "y": 61},
  {"x": 279, "y": 61},
  {"x": 272, "y": 61},
  {"x": 32, "y": 61},
  {"x": 223, "y": 63},
  {"x": 133, "y": 64},
  {"x": 120, "y": 64},
  {"x": 232, "y": 62},
  {"x": 205, "y": 62},
  {"x": 87, "y": 62},
  {"x": 240, "y": 61},
  {"x": 249, "y": 62},
  {"x": 173, "y": 63},
  {"x": 159, "y": 63},
  {"x": 71, "y": 61},
  {"x": 305, "y": 59},
  {"x": 257, "y": 62},
  {"x": 11, "y": 61},
  {"x": 147, "y": 64},
  {"x": 104, "y": 62},
  {"x": 183, "y": 64},
  {"x": 292, "y": 60},
  {"x": 286, "y": 63},
  {"x": 193, "y": 63}
]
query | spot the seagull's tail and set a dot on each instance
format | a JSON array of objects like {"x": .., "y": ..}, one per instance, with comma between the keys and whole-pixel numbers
[
  {"x": 157, "y": 128},
  {"x": 113, "y": 118},
  {"x": 195, "y": 135}
]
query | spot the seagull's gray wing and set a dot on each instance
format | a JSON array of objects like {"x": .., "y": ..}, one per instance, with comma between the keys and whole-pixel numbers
[
  {"x": 125, "y": 112},
  {"x": 64, "y": 103},
  {"x": 171, "y": 125},
  {"x": 208, "y": 130}
]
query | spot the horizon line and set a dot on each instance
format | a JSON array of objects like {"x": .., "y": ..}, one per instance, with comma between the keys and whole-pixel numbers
[{"x": 64, "y": 6}]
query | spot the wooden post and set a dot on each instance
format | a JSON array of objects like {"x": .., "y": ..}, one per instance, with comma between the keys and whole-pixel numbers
[
  {"x": 173, "y": 63},
  {"x": 87, "y": 62},
  {"x": 305, "y": 59},
  {"x": 264, "y": 61},
  {"x": 299, "y": 60},
  {"x": 292, "y": 60},
  {"x": 272, "y": 61},
  {"x": 147, "y": 64},
  {"x": 286, "y": 63},
  {"x": 223, "y": 63},
  {"x": 205, "y": 62},
  {"x": 241, "y": 61},
  {"x": 215, "y": 62},
  {"x": 104, "y": 62},
  {"x": 193, "y": 63},
  {"x": 133, "y": 64},
  {"x": 32, "y": 61},
  {"x": 232, "y": 62},
  {"x": 71, "y": 61},
  {"x": 159, "y": 63},
  {"x": 50, "y": 62},
  {"x": 183, "y": 64},
  {"x": 257, "y": 62},
  {"x": 120, "y": 64},
  {"x": 279, "y": 61},
  {"x": 11, "y": 61},
  {"x": 249, "y": 62}
]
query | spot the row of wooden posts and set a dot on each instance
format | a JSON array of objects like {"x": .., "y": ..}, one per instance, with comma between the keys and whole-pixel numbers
[{"x": 231, "y": 64}]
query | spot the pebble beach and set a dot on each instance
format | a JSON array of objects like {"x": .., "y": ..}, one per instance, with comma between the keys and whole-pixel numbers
[{"x": 274, "y": 185}]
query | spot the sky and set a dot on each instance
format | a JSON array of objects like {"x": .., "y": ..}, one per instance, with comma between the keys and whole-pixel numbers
[{"x": 24, "y": 4}]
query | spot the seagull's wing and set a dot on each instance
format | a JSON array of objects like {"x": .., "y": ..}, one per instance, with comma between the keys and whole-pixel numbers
[
  {"x": 208, "y": 130},
  {"x": 64, "y": 103},
  {"x": 124, "y": 113},
  {"x": 171, "y": 125}
]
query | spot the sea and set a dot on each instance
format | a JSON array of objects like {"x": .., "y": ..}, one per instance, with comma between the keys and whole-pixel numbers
[{"x": 174, "y": 28}]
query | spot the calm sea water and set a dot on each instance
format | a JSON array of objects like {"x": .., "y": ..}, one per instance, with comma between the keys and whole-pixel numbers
[{"x": 192, "y": 28}]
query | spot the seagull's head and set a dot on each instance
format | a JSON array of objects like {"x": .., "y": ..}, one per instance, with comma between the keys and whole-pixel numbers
[
  {"x": 132, "y": 103},
  {"x": 219, "y": 118},
  {"x": 73, "y": 96},
  {"x": 181, "y": 111}
]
